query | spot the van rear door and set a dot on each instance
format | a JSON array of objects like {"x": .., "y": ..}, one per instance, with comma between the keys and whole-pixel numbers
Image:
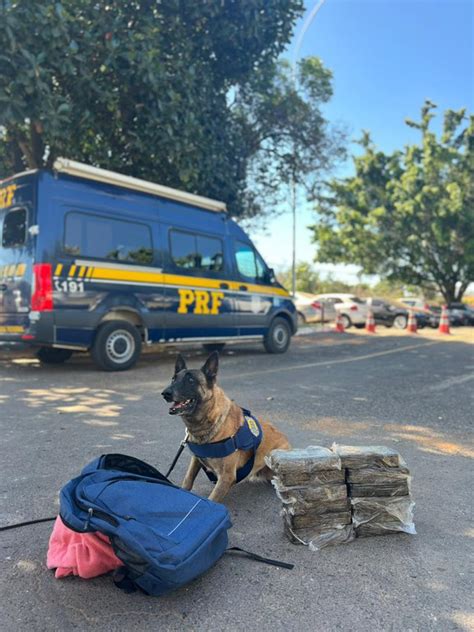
[{"x": 16, "y": 254}]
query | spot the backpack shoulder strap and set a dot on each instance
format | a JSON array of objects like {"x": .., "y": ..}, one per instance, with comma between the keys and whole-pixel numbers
[{"x": 259, "y": 558}]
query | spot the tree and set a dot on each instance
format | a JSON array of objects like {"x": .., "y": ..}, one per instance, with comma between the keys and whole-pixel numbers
[
  {"x": 286, "y": 136},
  {"x": 407, "y": 216},
  {"x": 307, "y": 279},
  {"x": 182, "y": 93}
]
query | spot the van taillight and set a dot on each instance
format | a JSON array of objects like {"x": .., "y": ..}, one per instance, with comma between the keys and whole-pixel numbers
[
  {"x": 42, "y": 295},
  {"x": 353, "y": 308}
]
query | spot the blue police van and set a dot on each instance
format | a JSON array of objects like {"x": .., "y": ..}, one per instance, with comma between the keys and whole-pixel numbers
[{"x": 94, "y": 260}]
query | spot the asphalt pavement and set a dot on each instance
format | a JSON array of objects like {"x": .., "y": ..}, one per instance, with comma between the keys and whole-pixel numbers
[{"x": 402, "y": 391}]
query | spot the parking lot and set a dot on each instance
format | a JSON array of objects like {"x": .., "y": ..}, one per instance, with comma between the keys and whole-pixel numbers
[{"x": 414, "y": 394}]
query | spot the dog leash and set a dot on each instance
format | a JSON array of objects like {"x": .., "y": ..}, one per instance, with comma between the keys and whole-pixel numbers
[
  {"x": 178, "y": 453},
  {"x": 28, "y": 522}
]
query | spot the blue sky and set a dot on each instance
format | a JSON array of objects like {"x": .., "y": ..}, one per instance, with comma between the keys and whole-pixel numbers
[{"x": 387, "y": 56}]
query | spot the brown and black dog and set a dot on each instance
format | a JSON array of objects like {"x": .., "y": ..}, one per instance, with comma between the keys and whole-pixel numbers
[{"x": 210, "y": 416}]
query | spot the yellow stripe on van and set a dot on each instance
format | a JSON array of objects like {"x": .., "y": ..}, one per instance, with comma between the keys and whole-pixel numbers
[
  {"x": 82, "y": 271},
  {"x": 20, "y": 269},
  {"x": 72, "y": 271},
  {"x": 136, "y": 276},
  {"x": 11, "y": 329},
  {"x": 59, "y": 269}
]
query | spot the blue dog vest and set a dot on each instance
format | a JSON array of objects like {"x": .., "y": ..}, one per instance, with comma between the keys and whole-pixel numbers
[{"x": 247, "y": 437}]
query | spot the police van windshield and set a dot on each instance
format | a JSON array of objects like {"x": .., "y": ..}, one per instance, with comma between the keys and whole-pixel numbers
[{"x": 250, "y": 265}]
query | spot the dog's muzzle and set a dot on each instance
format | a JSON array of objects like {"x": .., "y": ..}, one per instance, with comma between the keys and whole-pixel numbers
[{"x": 167, "y": 394}]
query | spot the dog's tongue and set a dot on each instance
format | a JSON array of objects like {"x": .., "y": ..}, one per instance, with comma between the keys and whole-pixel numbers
[{"x": 177, "y": 406}]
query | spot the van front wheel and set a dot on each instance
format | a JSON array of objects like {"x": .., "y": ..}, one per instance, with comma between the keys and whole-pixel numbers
[
  {"x": 52, "y": 355},
  {"x": 117, "y": 346},
  {"x": 278, "y": 337}
]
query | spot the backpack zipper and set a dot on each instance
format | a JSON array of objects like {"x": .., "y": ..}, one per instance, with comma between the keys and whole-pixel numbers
[{"x": 96, "y": 512}]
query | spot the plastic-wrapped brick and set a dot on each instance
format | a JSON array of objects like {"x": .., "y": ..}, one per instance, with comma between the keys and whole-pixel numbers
[
  {"x": 318, "y": 539},
  {"x": 309, "y": 496},
  {"x": 402, "y": 488},
  {"x": 317, "y": 520},
  {"x": 380, "y": 516},
  {"x": 378, "y": 475},
  {"x": 370, "y": 456},
  {"x": 301, "y": 467}
]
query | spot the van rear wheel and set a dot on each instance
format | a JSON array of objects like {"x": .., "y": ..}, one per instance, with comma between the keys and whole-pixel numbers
[
  {"x": 278, "y": 337},
  {"x": 117, "y": 346},
  {"x": 51, "y": 355}
]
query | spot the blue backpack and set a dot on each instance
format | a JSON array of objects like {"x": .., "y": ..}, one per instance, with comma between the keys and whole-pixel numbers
[{"x": 165, "y": 536}]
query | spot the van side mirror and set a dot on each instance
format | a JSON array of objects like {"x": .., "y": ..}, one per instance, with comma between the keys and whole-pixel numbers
[{"x": 270, "y": 275}]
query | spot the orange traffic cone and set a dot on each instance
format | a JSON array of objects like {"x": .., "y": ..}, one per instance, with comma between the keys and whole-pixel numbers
[
  {"x": 370, "y": 322},
  {"x": 339, "y": 325},
  {"x": 444, "y": 321},
  {"x": 412, "y": 326}
]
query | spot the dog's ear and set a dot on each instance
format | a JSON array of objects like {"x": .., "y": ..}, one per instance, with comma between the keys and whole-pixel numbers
[
  {"x": 210, "y": 367},
  {"x": 180, "y": 364}
]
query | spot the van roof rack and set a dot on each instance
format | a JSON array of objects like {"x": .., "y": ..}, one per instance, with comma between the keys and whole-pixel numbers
[{"x": 81, "y": 170}]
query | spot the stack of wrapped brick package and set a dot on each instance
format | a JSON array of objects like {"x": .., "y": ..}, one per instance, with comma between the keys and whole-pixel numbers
[
  {"x": 378, "y": 483},
  {"x": 311, "y": 485},
  {"x": 331, "y": 496}
]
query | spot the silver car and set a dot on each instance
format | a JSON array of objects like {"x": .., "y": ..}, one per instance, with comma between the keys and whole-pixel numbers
[{"x": 353, "y": 310}]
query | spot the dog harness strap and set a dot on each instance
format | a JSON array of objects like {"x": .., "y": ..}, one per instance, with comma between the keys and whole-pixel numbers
[{"x": 248, "y": 437}]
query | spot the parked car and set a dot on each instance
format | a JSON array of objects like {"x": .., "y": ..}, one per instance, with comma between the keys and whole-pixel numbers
[
  {"x": 312, "y": 310},
  {"x": 462, "y": 312},
  {"x": 455, "y": 319},
  {"x": 419, "y": 304},
  {"x": 93, "y": 260},
  {"x": 353, "y": 310},
  {"x": 392, "y": 315}
]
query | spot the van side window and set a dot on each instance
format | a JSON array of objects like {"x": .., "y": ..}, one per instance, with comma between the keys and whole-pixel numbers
[
  {"x": 103, "y": 238},
  {"x": 196, "y": 252},
  {"x": 14, "y": 228},
  {"x": 249, "y": 264}
]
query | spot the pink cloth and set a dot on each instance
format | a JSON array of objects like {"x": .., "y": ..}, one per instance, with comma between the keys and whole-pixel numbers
[{"x": 83, "y": 554}]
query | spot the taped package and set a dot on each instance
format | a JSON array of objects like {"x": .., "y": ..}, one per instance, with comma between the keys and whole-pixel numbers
[
  {"x": 379, "y": 475},
  {"x": 318, "y": 521},
  {"x": 358, "y": 457},
  {"x": 380, "y": 516},
  {"x": 316, "y": 478},
  {"x": 311, "y": 495},
  {"x": 401, "y": 488},
  {"x": 302, "y": 467},
  {"x": 317, "y": 539},
  {"x": 318, "y": 508}
]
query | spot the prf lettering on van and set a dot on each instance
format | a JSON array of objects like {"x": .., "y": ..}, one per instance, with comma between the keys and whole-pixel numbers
[
  {"x": 6, "y": 195},
  {"x": 199, "y": 301}
]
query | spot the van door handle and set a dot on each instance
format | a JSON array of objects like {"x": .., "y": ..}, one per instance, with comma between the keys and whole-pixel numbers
[
  {"x": 224, "y": 286},
  {"x": 243, "y": 288}
]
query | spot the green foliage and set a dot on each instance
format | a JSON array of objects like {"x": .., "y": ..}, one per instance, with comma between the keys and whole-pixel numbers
[
  {"x": 307, "y": 279},
  {"x": 183, "y": 93},
  {"x": 408, "y": 216},
  {"x": 286, "y": 136}
]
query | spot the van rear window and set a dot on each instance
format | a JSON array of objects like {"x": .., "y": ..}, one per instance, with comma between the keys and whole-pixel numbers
[
  {"x": 196, "y": 252},
  {"x": 99, "y": 237},
  {"x": 14, "y": 228}
]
